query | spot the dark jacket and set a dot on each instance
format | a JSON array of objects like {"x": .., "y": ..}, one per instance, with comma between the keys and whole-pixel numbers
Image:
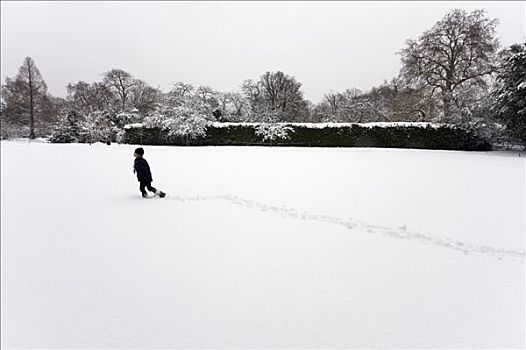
[{"x": 142, "y": 169}]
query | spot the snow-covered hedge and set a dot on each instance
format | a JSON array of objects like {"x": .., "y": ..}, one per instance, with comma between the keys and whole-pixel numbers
[
  {"x": 421, "y": 135},
  {"x": 332, "y": 125}
]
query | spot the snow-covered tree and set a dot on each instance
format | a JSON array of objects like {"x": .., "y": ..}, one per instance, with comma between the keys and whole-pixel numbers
[
  {"x": 510, "y": 93},
  {"x": 179, "y": 95},
  {"x": 188, "y": 123},
  {"x": 182, "y": 89},
  {"x": 233, "y": 107},
  {"x": 99, "y": 127},
  {"x": 96, "y": 126},
  {"x": 179, "y": 121},
  {"x": 354, "y": 106},
  {"x": 481, "y": 119},
  {"x": 69, "y": 128},
  {"x": 124, "y": 118},
  {"x": 207, "y": 98}
]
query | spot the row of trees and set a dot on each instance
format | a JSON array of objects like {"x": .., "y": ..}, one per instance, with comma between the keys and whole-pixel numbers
[{"x": 452, "y": 73}]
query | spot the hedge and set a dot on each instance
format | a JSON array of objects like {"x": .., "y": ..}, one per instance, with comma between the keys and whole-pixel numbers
[{"x": 429, "y": 137}]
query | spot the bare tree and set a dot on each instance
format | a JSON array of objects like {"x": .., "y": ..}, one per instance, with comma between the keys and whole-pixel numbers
[
  {"x": 276, "y": 94},
  {"x": 87, "y": 98},
  {"x": 122, "y": 83},
  {"x": 281, "y": 91},
  {"x": 333, "y": 101},
  {"x": 351, "y": 93},
  {"x": 144, "y": 97},
  {"x": 239, "y": 106},
  {"x": 340, "y": 104},
  {"x": 79, "y": 95},
  {"x": 458, "y": 50},
  {"x": 26, "y": 95}
]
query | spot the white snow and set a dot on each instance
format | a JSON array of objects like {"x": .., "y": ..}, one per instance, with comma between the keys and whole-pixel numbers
[
  {"x": 261, "y": 247},
  {"x": 133, "y": 126}
]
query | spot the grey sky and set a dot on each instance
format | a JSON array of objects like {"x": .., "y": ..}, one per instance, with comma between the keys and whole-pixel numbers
[{"x": 325, "y": 45}]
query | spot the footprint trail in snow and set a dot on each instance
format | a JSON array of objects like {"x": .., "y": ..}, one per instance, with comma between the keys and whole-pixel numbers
[{"x": 399, "y": 233}]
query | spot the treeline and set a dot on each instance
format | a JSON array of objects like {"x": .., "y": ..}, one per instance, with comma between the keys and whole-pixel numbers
[{"x": 453, "y": 73}]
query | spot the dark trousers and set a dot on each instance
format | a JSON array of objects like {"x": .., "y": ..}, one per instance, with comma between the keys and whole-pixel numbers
[{"x": 147, "y": 185}]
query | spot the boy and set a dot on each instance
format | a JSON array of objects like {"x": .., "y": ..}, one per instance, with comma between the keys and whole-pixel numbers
[{"x": 144, "y": 175}]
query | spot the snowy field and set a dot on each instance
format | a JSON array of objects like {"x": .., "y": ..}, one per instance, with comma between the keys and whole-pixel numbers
[{"x": 261, "y": 247}]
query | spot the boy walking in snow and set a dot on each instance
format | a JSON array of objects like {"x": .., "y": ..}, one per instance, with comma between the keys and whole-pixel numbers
[{"x": 144, "y": 174}]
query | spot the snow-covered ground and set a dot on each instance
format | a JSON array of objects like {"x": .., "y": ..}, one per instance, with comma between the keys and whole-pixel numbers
[{"x": 261, "y": 247}]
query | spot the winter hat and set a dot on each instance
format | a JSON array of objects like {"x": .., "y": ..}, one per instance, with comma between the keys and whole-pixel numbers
[{"x": 139, "y": 151}]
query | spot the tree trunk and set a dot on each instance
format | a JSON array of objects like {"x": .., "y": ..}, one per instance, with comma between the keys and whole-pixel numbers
[
  {"x": 31, "y": 105},
  {"x": 447, "y": 106},
  {"x": 447, "y": 93}
]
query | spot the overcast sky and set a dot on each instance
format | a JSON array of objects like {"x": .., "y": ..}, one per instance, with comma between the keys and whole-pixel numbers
[{"x": 325, "y": 45}]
